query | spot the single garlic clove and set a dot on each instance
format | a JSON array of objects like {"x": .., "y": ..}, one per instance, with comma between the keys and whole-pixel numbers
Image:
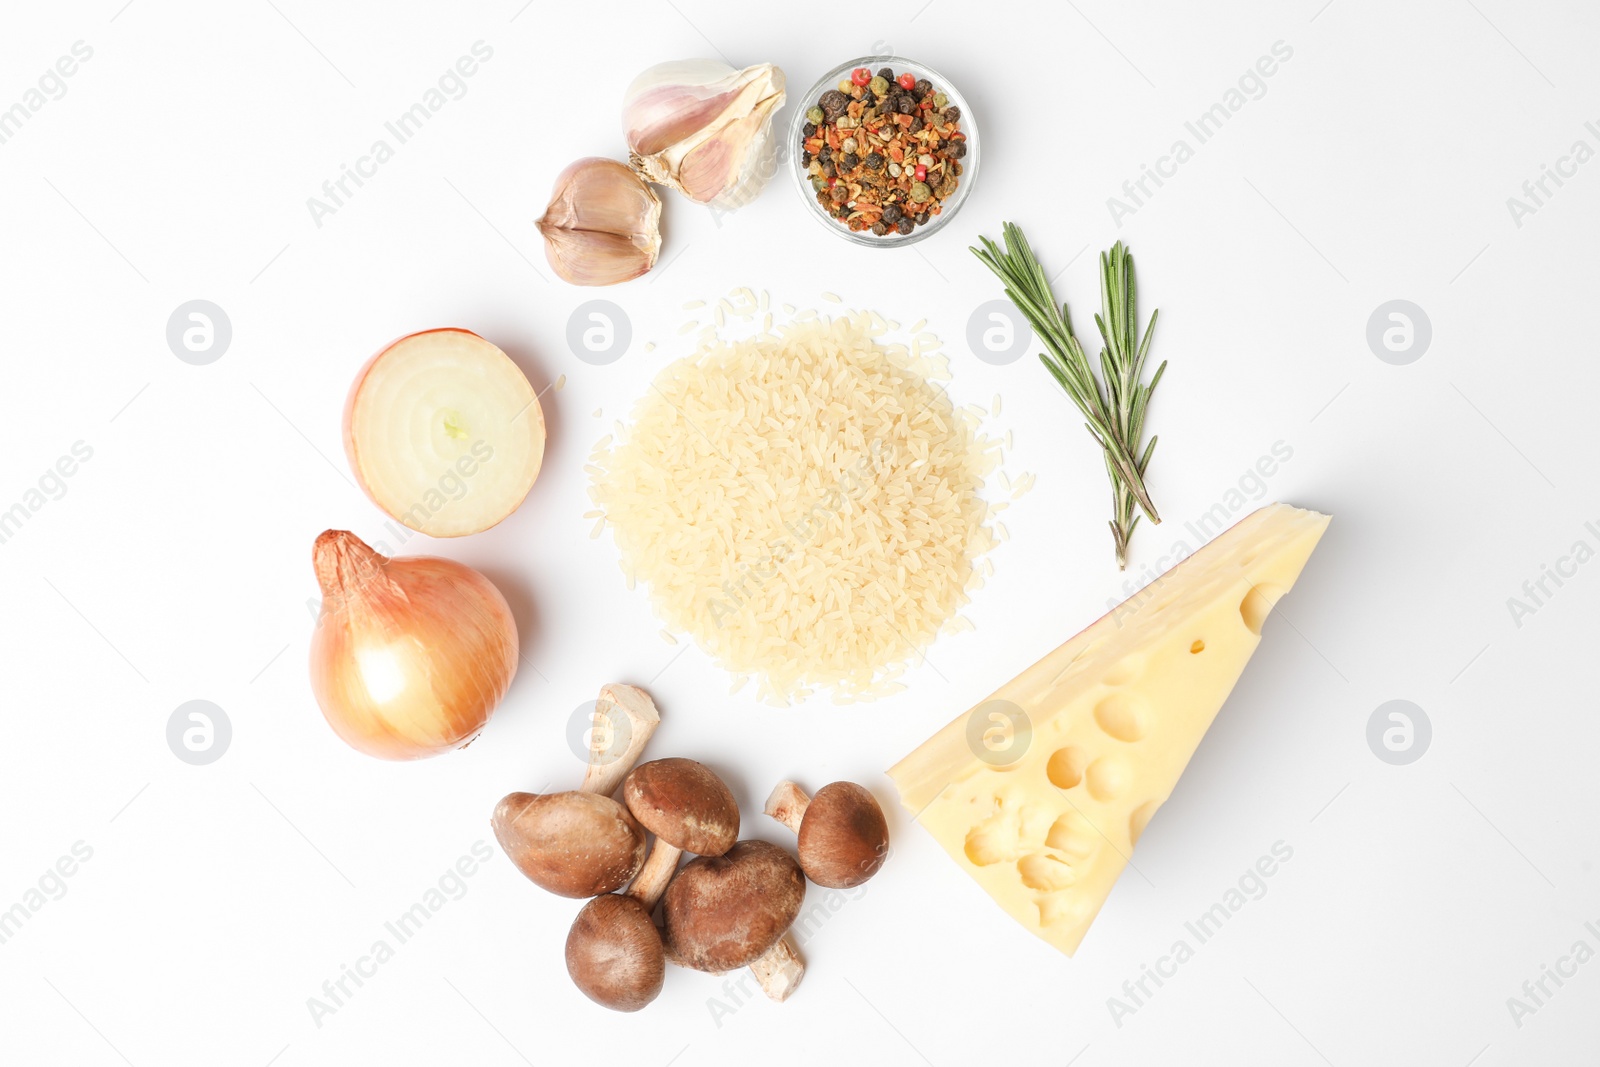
[
  {"x": 704, "y": 128},
  {"x": 673, "y": 101},
  {"x": 603, "y": 224}
]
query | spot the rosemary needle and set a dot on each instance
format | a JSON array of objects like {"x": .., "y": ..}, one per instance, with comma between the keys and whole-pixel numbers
[{"x": 1114, "y": 403}]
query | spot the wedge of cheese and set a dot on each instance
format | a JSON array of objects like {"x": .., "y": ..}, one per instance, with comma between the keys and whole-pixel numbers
[{"x": 1041, "y": 791}]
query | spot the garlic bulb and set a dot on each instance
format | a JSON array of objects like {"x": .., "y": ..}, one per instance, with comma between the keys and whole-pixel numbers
[
  {"x": 603, "y": 224},
  {"x": 704, "y": 128}
]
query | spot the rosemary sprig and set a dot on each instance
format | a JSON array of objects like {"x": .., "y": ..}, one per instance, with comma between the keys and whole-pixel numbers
[{"x": 1115, "y": 409}]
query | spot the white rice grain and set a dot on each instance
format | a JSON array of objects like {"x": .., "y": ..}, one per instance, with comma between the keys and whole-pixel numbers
[{"x": 805, "y": 506}]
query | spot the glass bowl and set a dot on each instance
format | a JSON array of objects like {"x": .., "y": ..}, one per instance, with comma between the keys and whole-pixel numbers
[{"x": 969, "y": 163}]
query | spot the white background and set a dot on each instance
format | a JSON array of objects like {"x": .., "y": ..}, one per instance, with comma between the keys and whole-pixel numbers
[{"x": 177, "y": 565}]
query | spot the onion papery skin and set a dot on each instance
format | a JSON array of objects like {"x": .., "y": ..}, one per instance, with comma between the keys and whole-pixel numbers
[{"x": 410, "y": 656}]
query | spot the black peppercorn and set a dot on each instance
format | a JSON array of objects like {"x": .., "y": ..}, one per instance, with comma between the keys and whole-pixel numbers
[
  {"x": 879, "y": 228},
  {"x": 805, "y": 159},
  {"x": 923, "y": 87},
  {"x": 829, "y": 171},
  {"x": 833, "y": 103},
  {"x": 952, "y": 114},
  {"x": 922, "y": 218},
  {"x": 887, "y": 74},
  {"x": 875, "y": 161},
  {"x": 809, "y": 129},
  {"x": 892, "y": 214},
  {"x": 825, "y": 153},
  {"x": 958, "y": 150},
  {"x": 905, "y": 226},
  {"x": 867, "y": 99},
  {"x": 850, "y": 160},
  {"x": 905, "y": 105},
  {"x": 915, "y": 127}
]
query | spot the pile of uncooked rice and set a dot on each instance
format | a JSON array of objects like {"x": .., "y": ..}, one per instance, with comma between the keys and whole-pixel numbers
[{"x": 804, "y": 503}]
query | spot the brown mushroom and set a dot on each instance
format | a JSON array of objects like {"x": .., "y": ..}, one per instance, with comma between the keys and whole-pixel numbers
[
  {"x": 572, "y": 844},
  {"x": 843, "y": 837},
  {"x": 614, "y": 953},
  {"x": 583, "y": 843},
  {"x": 730, "y": 911},
  {"x": 688, "y": 808}
]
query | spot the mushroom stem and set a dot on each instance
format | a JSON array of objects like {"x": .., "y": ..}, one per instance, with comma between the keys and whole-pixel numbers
[
  {"x": 608, "y": 767},
  {"x": 780, "y": 969},
  {"x": 652, "y": 879},
  {"x": 788, "y": 804}
]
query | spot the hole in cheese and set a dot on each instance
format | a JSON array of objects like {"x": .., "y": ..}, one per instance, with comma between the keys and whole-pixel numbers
[
  {"x": 1107, "y": 777},
  {"x": 1040, "y": 870},
  {"x": 1257, "y": 605},
  {"x": 1059, "y": 908},
  {"x": 1073, "y": 835},
  {"x": 990, "y": 842},
  {"x": 1122, "y": 716},
  {"x": 1065, "y": 768}
]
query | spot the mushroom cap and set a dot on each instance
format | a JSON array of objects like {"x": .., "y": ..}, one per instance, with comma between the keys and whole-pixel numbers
[
  {"x": 572, "y": 844},
  {"x": 722, "y": 912},
  {"x": 684, "y": 804},
  {"x": 614, "y": 953},
  {"x": 844, "y": 837}
]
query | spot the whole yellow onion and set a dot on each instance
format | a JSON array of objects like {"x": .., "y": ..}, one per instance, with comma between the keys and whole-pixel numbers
[{"x": 410, "y": 656}]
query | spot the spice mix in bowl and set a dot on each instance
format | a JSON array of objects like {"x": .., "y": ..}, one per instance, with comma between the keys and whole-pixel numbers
[{"x": 886, "y": 150}]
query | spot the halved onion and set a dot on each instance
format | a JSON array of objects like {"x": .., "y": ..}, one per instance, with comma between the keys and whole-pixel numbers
[{"x": 444, "y": 432}]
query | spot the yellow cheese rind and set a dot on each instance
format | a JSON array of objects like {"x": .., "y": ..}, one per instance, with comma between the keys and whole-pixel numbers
[{"x": 1112, "y": 717}]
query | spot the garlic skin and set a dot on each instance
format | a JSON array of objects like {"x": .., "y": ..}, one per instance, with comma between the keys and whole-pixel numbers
[
  {"x": 410, "y": 656},
  {"x": 705, "y": 129},
  {"x": 603, "y": 225}
]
